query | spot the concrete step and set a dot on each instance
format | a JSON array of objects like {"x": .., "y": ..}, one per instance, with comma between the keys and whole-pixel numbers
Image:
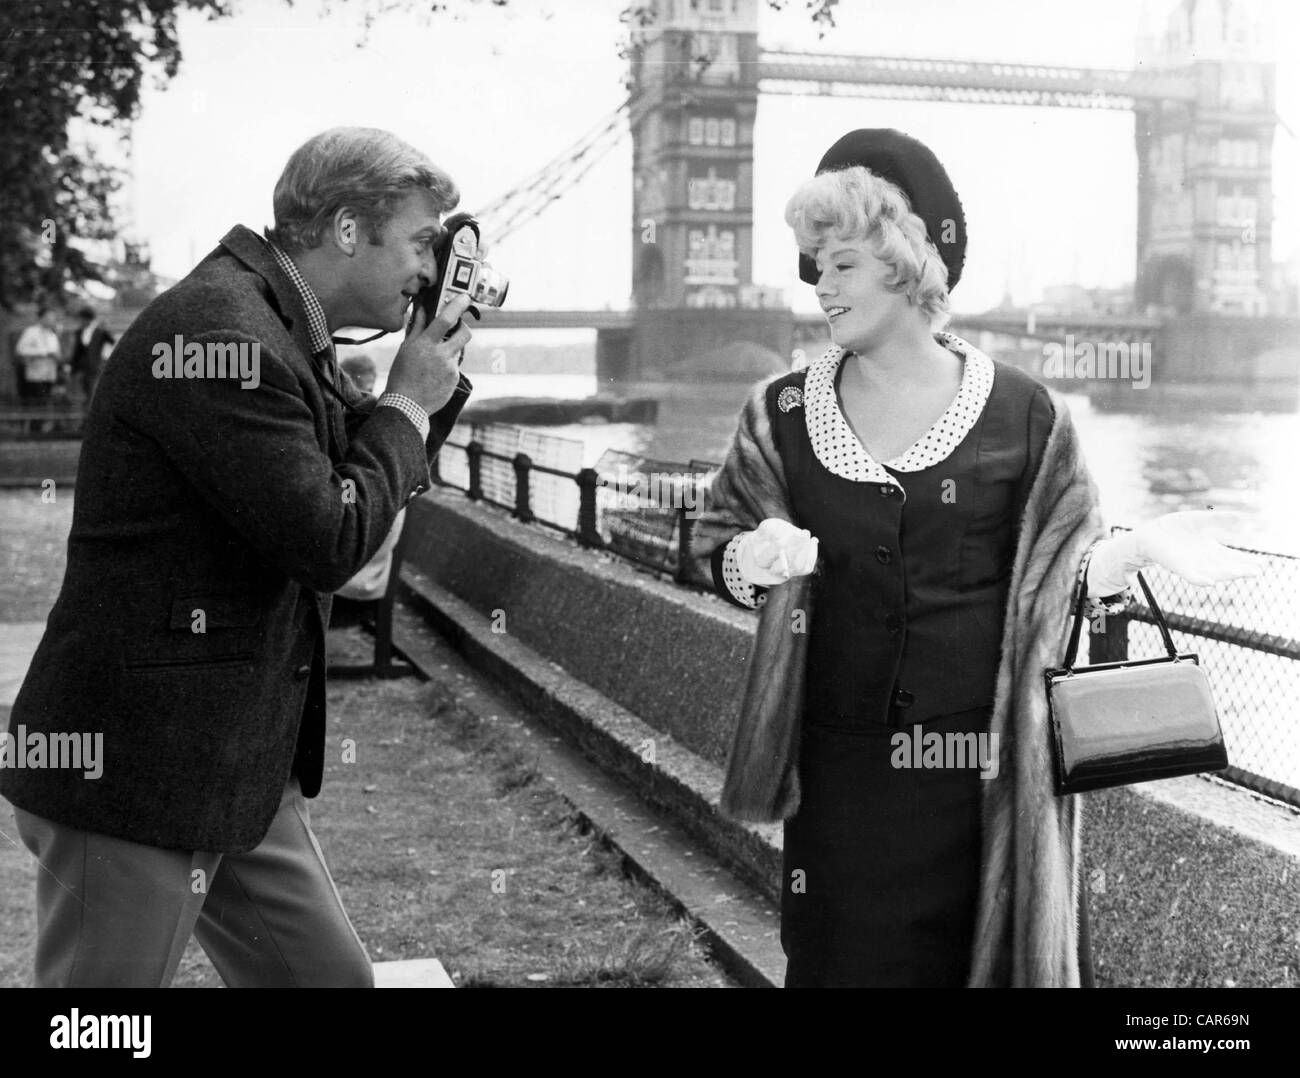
[{"x": 649, "y": 797}]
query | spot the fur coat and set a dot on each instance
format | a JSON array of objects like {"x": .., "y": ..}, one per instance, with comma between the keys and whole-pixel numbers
[{"x": 1027, "y": 920}]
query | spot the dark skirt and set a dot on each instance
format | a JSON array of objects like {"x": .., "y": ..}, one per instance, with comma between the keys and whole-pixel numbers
[{"x": 881, "y": 863}]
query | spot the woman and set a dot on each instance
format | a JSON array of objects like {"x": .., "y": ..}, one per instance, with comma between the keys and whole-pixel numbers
[{"x": 923, "y": 517}]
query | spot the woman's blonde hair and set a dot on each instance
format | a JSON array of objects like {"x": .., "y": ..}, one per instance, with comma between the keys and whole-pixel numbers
[{"x": 856, "y": 204}]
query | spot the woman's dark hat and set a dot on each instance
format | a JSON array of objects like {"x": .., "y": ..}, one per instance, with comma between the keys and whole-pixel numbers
[{"x": 911, "y": 165}]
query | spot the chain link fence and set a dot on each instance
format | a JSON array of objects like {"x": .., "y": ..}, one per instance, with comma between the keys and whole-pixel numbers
[{"x": 1246, "y": 634}]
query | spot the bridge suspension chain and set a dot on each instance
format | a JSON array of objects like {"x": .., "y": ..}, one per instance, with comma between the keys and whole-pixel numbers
[{"x": 528, "y": 198}]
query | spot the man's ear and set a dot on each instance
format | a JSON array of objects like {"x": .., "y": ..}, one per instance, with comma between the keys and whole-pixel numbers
[{"x": 346, "y": 230}]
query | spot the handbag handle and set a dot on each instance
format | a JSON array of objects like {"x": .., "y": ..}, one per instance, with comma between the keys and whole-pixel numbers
[{"x": 1073, "y": 647}]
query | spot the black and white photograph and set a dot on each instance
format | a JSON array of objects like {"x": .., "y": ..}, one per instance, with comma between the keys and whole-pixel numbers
[{"x": 651, "y": 494}]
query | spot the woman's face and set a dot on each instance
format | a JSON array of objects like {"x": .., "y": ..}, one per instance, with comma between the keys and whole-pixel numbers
[{"x": 859, "y": 307}]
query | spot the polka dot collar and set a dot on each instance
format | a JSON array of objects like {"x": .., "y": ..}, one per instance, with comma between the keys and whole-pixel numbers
[{"x": 838, "y": 448}]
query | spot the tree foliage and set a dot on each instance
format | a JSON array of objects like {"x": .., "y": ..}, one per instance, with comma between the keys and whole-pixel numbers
[{"x": 62, "y": 60}]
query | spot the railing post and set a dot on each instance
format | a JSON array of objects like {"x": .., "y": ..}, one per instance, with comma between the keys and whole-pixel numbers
[
  {"x": 474, "y": 451},
  {"x": 588, "y": 534},
  {"x": 683, "y": 572},
  {"x": 523, "y": 510}
]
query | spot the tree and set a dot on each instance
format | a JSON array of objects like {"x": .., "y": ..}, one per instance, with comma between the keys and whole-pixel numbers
[{"x": 61, "y": 60}]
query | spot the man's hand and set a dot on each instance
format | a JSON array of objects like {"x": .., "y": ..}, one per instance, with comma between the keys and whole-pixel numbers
[
  {"x": 427, "y": 368},
  {"x": 774, "y": 552}
]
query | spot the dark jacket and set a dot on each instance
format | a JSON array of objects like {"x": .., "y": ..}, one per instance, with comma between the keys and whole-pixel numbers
[
  {"x": 88, "y": 358},
  {"x": 203, "y": 505}
]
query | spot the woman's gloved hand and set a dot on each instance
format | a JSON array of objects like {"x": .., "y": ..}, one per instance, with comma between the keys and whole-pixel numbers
[
  {"x": 774, "y": 552},
  {"x": 1190, "y": 544}
]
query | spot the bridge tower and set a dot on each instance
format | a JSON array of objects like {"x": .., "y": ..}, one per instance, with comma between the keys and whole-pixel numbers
[
  {"x": 695, "y": 94},
  {"x": 1205, "y": 166}
]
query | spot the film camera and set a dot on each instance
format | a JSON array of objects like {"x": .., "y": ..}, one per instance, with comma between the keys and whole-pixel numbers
[{"x": 459, "y": 269}]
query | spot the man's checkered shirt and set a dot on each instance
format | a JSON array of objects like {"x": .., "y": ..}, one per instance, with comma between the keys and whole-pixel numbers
[{"x": 318, "y": 333}]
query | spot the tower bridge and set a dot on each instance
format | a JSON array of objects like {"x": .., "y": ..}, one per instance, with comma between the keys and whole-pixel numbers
[{"x": 1204, "y": 121}]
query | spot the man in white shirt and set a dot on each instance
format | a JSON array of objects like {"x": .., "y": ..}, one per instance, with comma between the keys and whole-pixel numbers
[{"x": 39, "y": 356}]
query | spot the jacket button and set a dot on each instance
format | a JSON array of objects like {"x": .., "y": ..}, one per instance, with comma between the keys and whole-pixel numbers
[
  {"x": 303, "y": 672},
  {"x": 893, "y": 623},
  {"x": 886, "y": 490},
  {"x": 884, "y": 555},
  {"x": 903, "y": 698}
]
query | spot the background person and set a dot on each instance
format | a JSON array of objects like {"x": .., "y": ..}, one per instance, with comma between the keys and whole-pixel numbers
[
  {"x": 361, "y": 369},
  {"x": 40, "y": 357},
  {"x": 88, "y": 347}
]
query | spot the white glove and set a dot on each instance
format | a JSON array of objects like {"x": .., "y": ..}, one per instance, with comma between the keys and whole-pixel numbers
[
  {"x": 1189, "y": 544},
  {"x": 774, "y": 552}
]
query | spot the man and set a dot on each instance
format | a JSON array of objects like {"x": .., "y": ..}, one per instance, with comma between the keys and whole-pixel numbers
[
  {"x": 88, "y": 350},
  {"x": 229, "y": 481},
  {"x": 39, "y": 357}
]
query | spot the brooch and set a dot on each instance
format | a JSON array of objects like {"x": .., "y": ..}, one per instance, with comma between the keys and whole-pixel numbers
[{"x": 790, "y": 397}]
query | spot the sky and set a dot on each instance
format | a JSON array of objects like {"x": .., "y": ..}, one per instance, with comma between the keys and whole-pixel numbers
[{"x": 491, "y": 95}]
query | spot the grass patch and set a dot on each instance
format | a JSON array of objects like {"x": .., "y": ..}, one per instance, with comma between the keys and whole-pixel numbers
[
  {"x": 1182, "y": 904},
  {"x": 33, "y": 551},
  {"x": 444, "y": 843}
]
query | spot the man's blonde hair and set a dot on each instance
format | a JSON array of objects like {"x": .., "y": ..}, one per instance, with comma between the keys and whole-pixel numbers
[
  {"x": 362, "y": 167},
  {"x": 857, "y": 205}
]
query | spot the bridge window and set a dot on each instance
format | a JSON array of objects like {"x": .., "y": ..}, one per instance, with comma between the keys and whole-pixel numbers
[
  {"x": 710, "y": 193},
  {"x": 1235, "y": 257},
  {"x": 1236, "y": 208},
  {"x": 1238, "y": 153},
  {"x": 1241, "y": 85},
  {"x": 711, "y": 131},
  {"x": 718, "y": 56}
]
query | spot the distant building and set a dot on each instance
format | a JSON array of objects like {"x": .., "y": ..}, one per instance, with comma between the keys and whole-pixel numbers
[{"x": 1076, "y": 299}]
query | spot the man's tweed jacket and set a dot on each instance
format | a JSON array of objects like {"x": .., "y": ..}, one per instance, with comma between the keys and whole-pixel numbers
[
  {"x": 202, "y": 505},
  {"x": 1027, "y": 921}
]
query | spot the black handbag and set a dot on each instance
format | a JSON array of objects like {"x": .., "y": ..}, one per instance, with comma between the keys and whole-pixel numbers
[{"x": 1131, "y": 721}]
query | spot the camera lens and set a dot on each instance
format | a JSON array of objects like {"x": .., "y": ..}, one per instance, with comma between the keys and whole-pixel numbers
[{"x": 490, "y": 287}]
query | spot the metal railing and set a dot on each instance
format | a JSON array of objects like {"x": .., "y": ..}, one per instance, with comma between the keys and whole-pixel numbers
[
  {"x": 1246, "y": 633},
  {"x": 639, "y": 508}
]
